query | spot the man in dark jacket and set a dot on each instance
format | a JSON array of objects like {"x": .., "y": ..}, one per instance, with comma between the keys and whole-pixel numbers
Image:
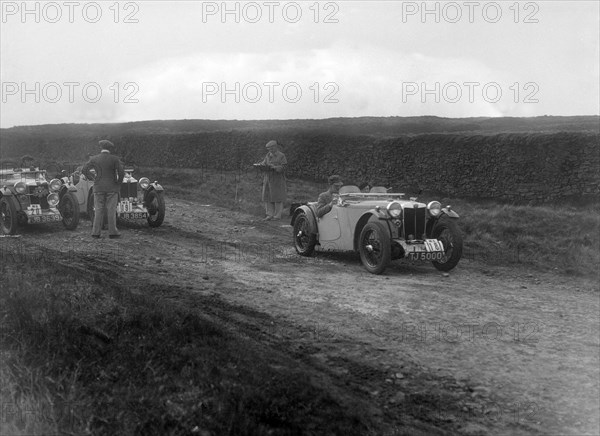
[
  {"x": 326, "y": 199},
  {"x": 109, "y": 175}
]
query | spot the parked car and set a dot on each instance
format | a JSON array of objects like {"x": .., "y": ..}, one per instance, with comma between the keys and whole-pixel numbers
[
  {"x": 381, "y": 226},
  {"x": 138, "y": 199},
  {"x": 27, "y": 197}
]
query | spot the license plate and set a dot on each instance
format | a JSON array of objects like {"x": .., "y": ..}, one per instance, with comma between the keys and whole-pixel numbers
[
  {"x": 426, "y": 255},
  {"x": 133, "y": 215},
  {"x": 34, "y": 219}
]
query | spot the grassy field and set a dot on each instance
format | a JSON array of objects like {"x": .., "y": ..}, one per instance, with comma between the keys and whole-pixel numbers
[
  {"x": 80, "y": 357},
  {"x": 560, "y": 237}
]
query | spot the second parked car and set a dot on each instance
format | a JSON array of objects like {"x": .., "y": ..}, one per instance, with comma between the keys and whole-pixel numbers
[{"x": 138, "y": 199}]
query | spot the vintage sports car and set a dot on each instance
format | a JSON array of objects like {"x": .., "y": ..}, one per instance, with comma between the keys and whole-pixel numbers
[
  {"x": 381, "y": 226},
  {"x": 26, "y": 197},
  {"x": 138, "y": 199}
]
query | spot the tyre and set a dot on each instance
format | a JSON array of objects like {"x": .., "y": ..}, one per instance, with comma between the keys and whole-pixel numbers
[
  {"x": 304, "y": 240},
  {"x": 156, "y": 208},
  {"x": 69, "y": 209},
  {"x": 375, "y": 247},
  {"x": 8, "y": 217},
  {"x": 447, "y": 231}
]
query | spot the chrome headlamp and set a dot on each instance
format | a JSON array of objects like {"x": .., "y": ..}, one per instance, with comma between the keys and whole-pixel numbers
[
  {"x": 434, "y": 208},
  {"x": 52, "y": 199},
  {"x": 55, "y": 184},
  {"x": 394, "y": 209},
  {"x": 21, "y": 188},
  {"x": 144, "y": 182}
]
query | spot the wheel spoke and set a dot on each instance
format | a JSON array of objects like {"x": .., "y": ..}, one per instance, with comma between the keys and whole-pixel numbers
[{"x": 371, "y": 239}]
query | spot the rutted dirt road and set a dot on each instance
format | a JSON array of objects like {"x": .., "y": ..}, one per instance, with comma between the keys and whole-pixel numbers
[{"x": 485, "y": 350}]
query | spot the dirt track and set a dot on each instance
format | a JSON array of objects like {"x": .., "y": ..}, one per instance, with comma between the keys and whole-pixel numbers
[{"x": 485, "y": 350}]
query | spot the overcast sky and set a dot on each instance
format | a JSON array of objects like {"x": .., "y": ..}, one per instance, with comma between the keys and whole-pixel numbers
[{"x": 281, "y": 60}]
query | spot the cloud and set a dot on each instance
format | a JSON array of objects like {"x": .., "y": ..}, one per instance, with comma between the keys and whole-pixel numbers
[{"x": 343, "y": 80}]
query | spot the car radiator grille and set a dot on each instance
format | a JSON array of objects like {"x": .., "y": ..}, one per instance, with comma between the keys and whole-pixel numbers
[
  {"x": 414, "y": 222},
  {"x": 36, "y": 198},
  {"x": 128, "y": 190}
]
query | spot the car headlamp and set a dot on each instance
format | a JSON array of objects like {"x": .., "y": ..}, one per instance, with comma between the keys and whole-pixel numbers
[
  {"x": 394, "y": 209},
  {"x": 55, "y": 184},
  {"x": 434, "y": 208},
  {"x": 144, "y": 182},
  {"x": 21, "y": 188},
  {"x": 52, "y": 199}
]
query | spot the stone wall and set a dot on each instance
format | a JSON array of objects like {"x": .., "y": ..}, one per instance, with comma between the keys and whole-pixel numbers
[
  {"x": 513, "y": 166},
  {"x": 531, "y": 167}
]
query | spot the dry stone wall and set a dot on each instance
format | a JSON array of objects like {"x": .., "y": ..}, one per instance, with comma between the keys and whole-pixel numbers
[{"x": 513, "y": 166}]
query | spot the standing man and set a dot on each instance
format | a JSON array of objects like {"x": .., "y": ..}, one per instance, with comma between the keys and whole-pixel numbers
[
  {"x": 326, "y": 199},
  {"x": 274, "y": 188},
  {"x": 109, "y": 175}
]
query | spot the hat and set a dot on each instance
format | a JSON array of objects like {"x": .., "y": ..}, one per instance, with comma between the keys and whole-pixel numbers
[
  {"x": 271, "y": 143},
  {"x": 106, "y": 145},
  {"x": 334, "y": 179}
]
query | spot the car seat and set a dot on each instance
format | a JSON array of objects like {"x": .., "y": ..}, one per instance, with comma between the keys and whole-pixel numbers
[
  {"x": 378, "y": 190},
  {"x": 349, "y": 189}
]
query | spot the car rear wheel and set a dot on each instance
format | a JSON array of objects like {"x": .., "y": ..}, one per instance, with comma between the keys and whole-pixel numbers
[
  {"x": 8, "y": 217},
  {"x": 69, "y": 209},
  {"x": 304, "y": 240},
  {"x": 449, "y": 234},
  {"x": 156, "y": 208},
  {"x": 375, "y": 247}
]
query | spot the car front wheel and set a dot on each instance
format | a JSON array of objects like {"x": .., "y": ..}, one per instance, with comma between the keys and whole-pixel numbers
[
  {"x": 304, "y": 240},
  {"x": 69, "y": 209},
  {"x": 449, "y": 234},
  {"x": 156, "y": 208},
  {"x": 375, "y": 247},
  {"x": 8, "y": 217}
]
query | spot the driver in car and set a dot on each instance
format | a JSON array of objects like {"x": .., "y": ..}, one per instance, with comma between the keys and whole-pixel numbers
[{"x": 326, "y": 199}]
